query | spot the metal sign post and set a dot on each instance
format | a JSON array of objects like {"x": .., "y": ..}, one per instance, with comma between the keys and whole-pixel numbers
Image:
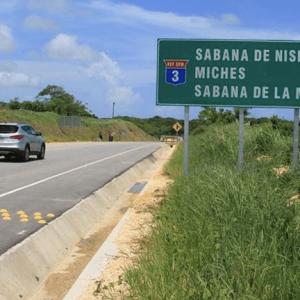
[
  {"x": 186, "y": 141},
  {"x": 113, "y": 111},
  {"x": 241, "y": 138},
  {"x": 296, "y": 138}
]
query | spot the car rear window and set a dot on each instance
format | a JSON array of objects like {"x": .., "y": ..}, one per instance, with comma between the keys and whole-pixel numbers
[{"x": 8, "y": 129}]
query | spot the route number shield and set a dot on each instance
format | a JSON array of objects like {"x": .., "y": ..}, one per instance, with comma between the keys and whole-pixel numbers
[{"x": 176, "y": 71}]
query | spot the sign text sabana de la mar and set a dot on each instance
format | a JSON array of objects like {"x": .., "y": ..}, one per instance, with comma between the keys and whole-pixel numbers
[{"x": 239, "y": 73}]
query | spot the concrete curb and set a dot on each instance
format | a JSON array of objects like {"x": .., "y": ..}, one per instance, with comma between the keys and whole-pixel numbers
[
  {"x": 97, "y": 264},
  {"x": 25, "y": 267}
]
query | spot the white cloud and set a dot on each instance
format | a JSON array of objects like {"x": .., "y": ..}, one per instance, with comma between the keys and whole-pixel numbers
[
  {"x": 104, "y": 67},
  {"x": 64, "y": 47},
  {"x": 230, "y": 19},
  {"x": 7, "y": 66},
  {"x": 49, "y": 5},
  {"x": 64, "y": 7},
  {"x": 191, "y": 26},
  {"x": 38, "y": 23},
  {"x": 100, "y": 67},
  {"x": 122, "y": 94},
  {"x": 7, "y": 43},
  {"x": 13, "y": 79},
  {"x": 108, "y": 70},
  {"x": 132, "y": 13}
]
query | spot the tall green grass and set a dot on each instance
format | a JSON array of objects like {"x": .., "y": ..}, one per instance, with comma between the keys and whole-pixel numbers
[
  {"x": 48, "y": 124},
  {"x": 221, "y": 234}
]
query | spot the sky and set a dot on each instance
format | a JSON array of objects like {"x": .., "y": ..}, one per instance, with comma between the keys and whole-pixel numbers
[{"x": 105, "y": 51}]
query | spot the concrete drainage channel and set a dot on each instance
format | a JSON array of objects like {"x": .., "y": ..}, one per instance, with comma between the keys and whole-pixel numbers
[{"x": 25, "y": 267}]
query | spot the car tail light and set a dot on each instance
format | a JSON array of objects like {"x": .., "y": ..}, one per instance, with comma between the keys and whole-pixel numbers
[{"x": 16, "y": 137}]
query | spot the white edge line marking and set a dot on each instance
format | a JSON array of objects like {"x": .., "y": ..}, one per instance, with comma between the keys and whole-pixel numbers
[
  {"x": 64, "y": 173},
  {"x": 22, "y": 232}
]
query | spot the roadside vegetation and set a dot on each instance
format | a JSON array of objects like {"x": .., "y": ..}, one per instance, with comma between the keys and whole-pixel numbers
[
  {"x": 48, "y": 124},
  {"x": 158, "y": 126},
  {"x": 54, "y": 99},
  {"x": 220, "y": 234},
  {"x": 51, "y": 99}
]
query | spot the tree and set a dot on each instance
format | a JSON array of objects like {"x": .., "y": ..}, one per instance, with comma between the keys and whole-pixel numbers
[
  {"x": 3, "y": 103},
  {"x": 237, "y": 112},
  {"x": 52, "y": 91},
  {"x": 57, "y": 100},
  {"x": 14, "y": 103},
  {"x": 155, "y": 126},
  {"x": 210, "y": 115}
]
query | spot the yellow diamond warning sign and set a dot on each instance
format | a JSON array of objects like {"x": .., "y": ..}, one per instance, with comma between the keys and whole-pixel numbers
[{"x": 177, "y": 126}]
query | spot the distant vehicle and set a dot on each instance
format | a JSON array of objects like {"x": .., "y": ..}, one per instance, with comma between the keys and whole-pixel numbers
[{"x": 21, "y": 140}]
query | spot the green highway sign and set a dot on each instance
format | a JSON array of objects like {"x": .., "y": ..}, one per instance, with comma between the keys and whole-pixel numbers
[{"x": 236, "y": 73}]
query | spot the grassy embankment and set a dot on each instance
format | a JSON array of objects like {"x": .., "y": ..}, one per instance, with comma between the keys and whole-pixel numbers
[
  {"x": 224, "y": 235},
  {"x": 48, "y": 124}
]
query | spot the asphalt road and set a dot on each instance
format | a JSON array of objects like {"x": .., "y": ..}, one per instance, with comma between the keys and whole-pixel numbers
[{"x": 69, "y": 173}]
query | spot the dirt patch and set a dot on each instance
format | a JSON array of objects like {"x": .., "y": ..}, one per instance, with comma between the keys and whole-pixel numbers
[
  {"x": 111, "y": 284},
  {"x": 58, "y": 283},
  {"x": 279, "y": 171}
]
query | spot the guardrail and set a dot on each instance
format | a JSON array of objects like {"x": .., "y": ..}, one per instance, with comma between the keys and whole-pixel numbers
[{"x": 171, "y": 140}]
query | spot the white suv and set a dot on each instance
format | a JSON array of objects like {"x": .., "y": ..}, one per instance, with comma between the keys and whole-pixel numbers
[{"x": 21, "y": 140}]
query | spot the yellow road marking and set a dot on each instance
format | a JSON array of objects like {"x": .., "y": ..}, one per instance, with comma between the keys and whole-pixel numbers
[
  {"x": 42, "y": 222},
  {"x": 23, "y": 216},
  {"x": 24, "y": 220}
]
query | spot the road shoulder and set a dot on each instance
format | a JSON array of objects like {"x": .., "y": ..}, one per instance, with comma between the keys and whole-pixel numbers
[
  {"x": 87, "y": 266},
  {"x": 138, "y": 224}
]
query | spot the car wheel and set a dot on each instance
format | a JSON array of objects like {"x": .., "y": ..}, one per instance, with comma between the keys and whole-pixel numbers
[
  {"x": 26, "y": 153},
  {"x": 41, "y": 155}
]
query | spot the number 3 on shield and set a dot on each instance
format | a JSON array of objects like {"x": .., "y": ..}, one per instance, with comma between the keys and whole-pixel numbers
[{"x": 175, "y": 77}]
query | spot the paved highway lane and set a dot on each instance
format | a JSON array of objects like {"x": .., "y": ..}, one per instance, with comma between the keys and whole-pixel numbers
[{"x": 69, "y": 173}]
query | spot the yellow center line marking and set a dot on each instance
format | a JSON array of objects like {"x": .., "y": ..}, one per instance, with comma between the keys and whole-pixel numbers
[{"x": 67, "y": 172}]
